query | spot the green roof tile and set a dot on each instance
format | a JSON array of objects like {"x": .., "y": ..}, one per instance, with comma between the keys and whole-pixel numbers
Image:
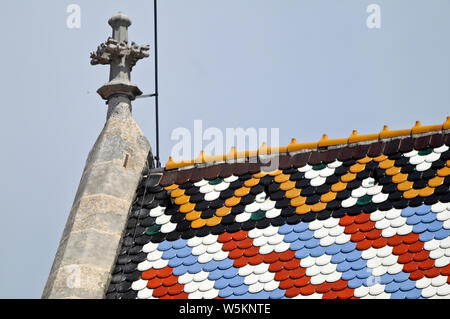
[
  {"x": 364, "y": 200},
  {"x": 258, "y": 215},
  {"x": 215, "y": 181},
  {"x": 319, "y": 166},
  {"x": 153, "y": 230},
  {"x": 425, "y": 152}
]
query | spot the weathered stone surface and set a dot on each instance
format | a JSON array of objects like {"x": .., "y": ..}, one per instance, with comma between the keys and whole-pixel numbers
[
  {"x": 101, "y": 206},
  {"x": 118, "y": 137},
  {"x": 91, "y": 247},
  {"x": 108, "y": 178},
  {"x": 91, "y": 238},
  {"x": 102, "y": 213},
  {"x": 84, "y": 281}
]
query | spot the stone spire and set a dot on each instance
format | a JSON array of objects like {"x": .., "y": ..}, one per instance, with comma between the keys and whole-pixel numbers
[
  {"x": 122, "y": 58},
  {"x": 91, "y": 239}
]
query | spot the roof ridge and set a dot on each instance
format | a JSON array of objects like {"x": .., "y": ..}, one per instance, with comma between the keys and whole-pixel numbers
[{"x": 264, "y": 149}]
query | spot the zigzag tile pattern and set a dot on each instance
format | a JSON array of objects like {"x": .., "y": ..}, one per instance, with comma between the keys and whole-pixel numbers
[{"x": 366, "y": 221}]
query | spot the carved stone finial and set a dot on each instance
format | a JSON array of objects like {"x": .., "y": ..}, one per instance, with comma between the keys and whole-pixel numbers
[
  {"x": 121, "y": 57},
  {"x": 119, "y": 19}
]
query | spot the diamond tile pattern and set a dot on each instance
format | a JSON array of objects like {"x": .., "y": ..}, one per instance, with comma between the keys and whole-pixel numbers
[{"x": 367, "y": 221}]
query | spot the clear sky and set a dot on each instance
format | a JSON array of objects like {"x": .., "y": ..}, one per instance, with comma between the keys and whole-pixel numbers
[{"x": 307, "y": 67}]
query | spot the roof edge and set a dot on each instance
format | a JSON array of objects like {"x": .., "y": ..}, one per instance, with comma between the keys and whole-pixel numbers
[{"x": 294, "y": 147}]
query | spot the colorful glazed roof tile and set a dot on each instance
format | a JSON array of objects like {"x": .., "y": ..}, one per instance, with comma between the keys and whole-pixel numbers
[{"x": 369, "y": 219}]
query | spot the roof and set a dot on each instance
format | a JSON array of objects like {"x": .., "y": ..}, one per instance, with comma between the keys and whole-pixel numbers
[
  {"x": 362, "y": 219},
  {"x": 324, "y": 142}
]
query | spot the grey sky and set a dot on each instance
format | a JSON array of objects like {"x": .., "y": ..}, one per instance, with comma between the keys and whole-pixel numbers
[{"x": 307, "y": 67}]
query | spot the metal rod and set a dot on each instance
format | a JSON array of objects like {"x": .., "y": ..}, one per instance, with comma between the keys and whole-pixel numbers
[
  {"x": 145, "y": 95},
  {"x": 155, "y": 19}
]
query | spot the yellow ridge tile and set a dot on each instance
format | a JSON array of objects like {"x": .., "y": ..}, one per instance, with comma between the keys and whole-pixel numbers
[
  {"x": 264, "y": 149},
  {"x": 251, "y": 182},
  {"x": 213, "y": 221},
  {"x": 399, "y": 178},
  {"x": 171, "y": 164},
  {"x": 200, "y": 158},
  {"x": 446, "y": 124},
  {"x": 338, "y": 187},
  {"x": 328, "y": 197},
  {"x": 444, "y": 171},
  {"x": 297, "y": 201},
  {"x": 193, "y": 215},
  {"x": 223, "y": 211},
  {"x": 183, "y": 199},
  {"x": 287, "y": 185},
  {"x": 318, "y": 207},
  {"x": 275, "y": 150},
  {"x": 393, "y": 170},
  {"x": 411, "y": 193},
  {"x": 356, "y": 168},
  {"x": 419, "y": 128},
  {"x": 325, "y": 141},
  {"x": 436, "y": 181},
  {"x": 294, "y": 146},
  {"x": 292, "y": 193},
  {"x": 186, "y": 208},
  {"x": 177, "y": 192},
  {"x": 387, "y": 163},
  {"x": 404, "y": 186},
  {"x": 304, "y": 209},
  {"x": 232, "y": 201},
  {"x": 348, "y": 177},
  {"x": 215, "y": 158},
  {"x": 426, "y": 191},
  {"x": 245, "y": 154},
  {"x": 171, "y": 187},
  {"x": 198, "y": 223},
  {"x": 281, "y": 178},
  {"x": 355, "y": 137},
  {"x": 232, "y": 154},
  {"x": 386, "y": 133},
  {"x": 241, "y": 192},
  {"x": 279, "y": 149}
]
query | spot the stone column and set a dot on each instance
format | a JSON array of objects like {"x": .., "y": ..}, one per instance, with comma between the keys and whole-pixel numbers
[{"x": 91, "y": 238}]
